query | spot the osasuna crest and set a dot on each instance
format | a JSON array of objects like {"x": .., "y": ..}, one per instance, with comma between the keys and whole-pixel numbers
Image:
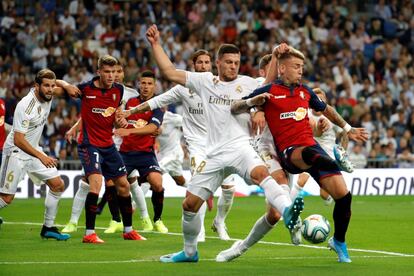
[
  {"x": 239, "y": 89},
  {"x": 114, "y": 97},
  {"x": 302, "y": 95}
]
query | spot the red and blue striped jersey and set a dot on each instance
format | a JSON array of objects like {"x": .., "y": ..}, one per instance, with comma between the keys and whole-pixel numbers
[
  {"x": 98, "y": 108},
  {"x": 138, "y": 120},
  {"x": 286, "y": 113}
]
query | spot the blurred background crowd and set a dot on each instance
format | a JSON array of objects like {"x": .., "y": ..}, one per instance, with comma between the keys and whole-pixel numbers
[{"x": 359, "y": 52}]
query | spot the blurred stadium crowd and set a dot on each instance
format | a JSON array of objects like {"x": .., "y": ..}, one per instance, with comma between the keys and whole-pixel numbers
[{"x": 359, "y": 52}]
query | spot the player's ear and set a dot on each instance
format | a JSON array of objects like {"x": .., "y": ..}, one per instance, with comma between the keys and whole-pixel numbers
[{"x": 37, "y": 86}]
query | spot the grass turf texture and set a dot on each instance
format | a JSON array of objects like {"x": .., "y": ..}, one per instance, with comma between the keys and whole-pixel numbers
[{"x": 378, "y": 223}]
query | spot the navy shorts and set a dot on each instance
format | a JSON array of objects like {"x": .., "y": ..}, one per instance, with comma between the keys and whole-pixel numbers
[
  {"x": 142, "y": 161},
  {"x": 314, "y": 172},
  {"x": 105, "y": 161}
]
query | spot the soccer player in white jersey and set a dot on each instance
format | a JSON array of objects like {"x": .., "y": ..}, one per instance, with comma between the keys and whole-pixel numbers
[
  {"x": 22, "y": 153},
  {"x": 195, "y": 133},
  {"x": 170, "y": 153},
  {"x": 325, "y": 134},
  {"x": 228, "y": 142},
  {"x": 115, "y": 225}
]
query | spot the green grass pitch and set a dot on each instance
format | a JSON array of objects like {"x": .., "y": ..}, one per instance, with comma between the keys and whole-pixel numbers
[{"x": 380, "y": 241}]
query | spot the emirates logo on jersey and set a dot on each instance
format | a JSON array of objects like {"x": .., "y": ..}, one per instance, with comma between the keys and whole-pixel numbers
[
  {"x": 297, "y": 115},
  {"x": 104, "y": 112},
  {"x": 138, "y": 123}
]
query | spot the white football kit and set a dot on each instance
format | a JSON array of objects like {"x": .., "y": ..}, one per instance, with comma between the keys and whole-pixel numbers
[
  {"x": 30, "y": 118},
  {"x": 171, "y": 154},
  {"x": 194, "y": 127},
  {"x": 328, "y": 138},
  {"x": 266, "y": 145},
  {"x": 228, "y": 148}
]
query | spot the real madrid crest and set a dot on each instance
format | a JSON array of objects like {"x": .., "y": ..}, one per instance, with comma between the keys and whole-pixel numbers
[{"x": 239, "y": 89}]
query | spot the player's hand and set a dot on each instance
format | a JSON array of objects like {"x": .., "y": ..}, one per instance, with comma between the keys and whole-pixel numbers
[
  {"x": 70, "y": 135},
  {"x": 153, "y": 35},
  {"x": 258, "y": 122},
  {"x": 121, "y": 132},
  {"x": 323, "y": 124},
  {"x": 120, "y": 120},
  {"x": 49, "y": 162},
  {"x": 73, "y": 91},
  {"x": 280, "y": 49},
  {"x": 157, "y": 132},
  {"x": 358, "y": 134},
  {"x": 260, "y": 99},
  {"x": 126, "y": 113}
]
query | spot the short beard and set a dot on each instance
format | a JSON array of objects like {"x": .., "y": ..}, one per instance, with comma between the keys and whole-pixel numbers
[
  {"x": 44, "y": 97},
  {"x": 227, "y": 79}
]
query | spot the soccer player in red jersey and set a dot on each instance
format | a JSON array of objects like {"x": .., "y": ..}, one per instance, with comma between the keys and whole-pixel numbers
[
  {"x": 285, "y": 103},
  {"x": 137, "y": 148},
  {"x": 101, "y": 97}
]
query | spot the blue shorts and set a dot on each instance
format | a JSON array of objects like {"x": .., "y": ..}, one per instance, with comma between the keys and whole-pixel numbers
[
  {"x": 105, "y": 161},
  {"x": 142, "y": 161},
  {"x": 314, "y": 172}
]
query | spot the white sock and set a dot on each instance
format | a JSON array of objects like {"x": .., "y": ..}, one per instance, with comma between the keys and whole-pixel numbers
[
  {"x": 285, "y": 188},
  {"x": 145, "y": 187},
  {"x": 191, "y": 228},
  {"x": 202, "y": 213},
  {"x": 79, "y": 201},
  {"x": 259, "y": 230},
  {"x": 296, "y": 189},
  {"x": 128, "y": 229},
  {"x": 3, "y": 203},
  {"x": 275, "y": 195},
  {"x": 224, "y": 204},
  {"x": 139, "y": 198},
  {"x": 51, "y": 207},
  {"x": 89, "y": 231}
]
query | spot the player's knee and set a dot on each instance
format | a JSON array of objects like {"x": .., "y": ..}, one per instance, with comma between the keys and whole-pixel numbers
[
  {"x": 259, "y": 173},
  {"x": 272, "y": 216},
  {"x": 57, "y": 185},
  {"x": 280, "y": 177},
  {"x": 7, "y": 198}
]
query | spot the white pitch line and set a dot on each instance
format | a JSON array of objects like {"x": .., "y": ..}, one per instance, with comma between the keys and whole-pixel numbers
[
  {"x": 397, "y": 254},
  {"x": 157, "y": 261}
]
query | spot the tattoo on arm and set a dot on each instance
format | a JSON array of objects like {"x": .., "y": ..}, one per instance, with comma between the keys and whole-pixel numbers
[
  {"x": 239, "y": 106},
  {"x": 334, "y": 116},
  {"x": 344, "y": 140},
  {"x": 141, "y": 108}
]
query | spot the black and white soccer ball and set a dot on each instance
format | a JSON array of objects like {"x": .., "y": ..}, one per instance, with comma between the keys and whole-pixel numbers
[{"x": 315, "y": 228}]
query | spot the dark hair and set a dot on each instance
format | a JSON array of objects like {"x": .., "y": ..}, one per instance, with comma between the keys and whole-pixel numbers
[
  {"x": 227, "y": 49},
  {"x": 107, "y": 60},
  {"x": 44, "y": 74},
  {"x": 264, "y": 61},
  {"x": 148, "y": 74},
  {"x": 198, "y": 53}
]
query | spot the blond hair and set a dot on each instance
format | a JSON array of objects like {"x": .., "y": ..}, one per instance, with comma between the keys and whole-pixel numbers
[
  {"x": 44, "y": 74},
  {"x": 292, "y": 53},
  {"x": 107, "y": 60}
]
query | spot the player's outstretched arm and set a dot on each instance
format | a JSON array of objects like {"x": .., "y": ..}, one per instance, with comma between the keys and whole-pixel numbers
[
  {"x": 164, "y": 63},
  {"x": 141, "y": 108},
  {"x": 70, "y": 135},
  {"x": 62, "y": 86},
  {"x": 356, "y": 134},
  {"x": 146, "y": 130},
  {"x": 241, "y": 106}
]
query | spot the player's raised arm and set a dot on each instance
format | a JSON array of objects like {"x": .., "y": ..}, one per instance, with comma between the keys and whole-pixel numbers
[
  {"x": 273, "y": 71},
  {"x": 165, "y": 65}
]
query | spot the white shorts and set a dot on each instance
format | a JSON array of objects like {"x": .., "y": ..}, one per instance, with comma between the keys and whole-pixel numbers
[
  {"x": 197, "y": 154},
  {"x": 209, "y": 174},
  {"x": 271, "y": 161},
  {"x": 172, "y": 163},
  {"x": 13, "y": 169}
]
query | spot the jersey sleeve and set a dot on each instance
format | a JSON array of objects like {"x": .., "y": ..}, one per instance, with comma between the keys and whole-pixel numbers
[
  {"x": 315, "y": 102},
  {"x": 167, "y": 98},
  {"x": 197, "y": 81},
  {"x": 157, "y": 117},
  {"x": 21, "y": 119},
  {"x": 258, "y": 91}
]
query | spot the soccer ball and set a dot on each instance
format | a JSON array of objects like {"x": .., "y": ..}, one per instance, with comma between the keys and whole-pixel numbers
[{"x": 315, "y": 228}]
